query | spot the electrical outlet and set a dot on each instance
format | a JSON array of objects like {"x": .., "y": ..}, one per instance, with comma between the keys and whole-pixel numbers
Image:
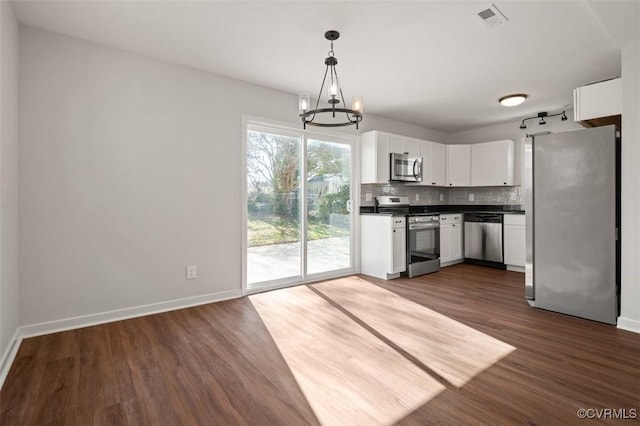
[
  {"x": 514, "y": 196},
  {"x": 441, "y": 197},
  {"x": 192, "y": 272},
  {"x": 417, "y": 196},
  {"x": 471, "y": 197},
  {"x": 368, "y": 196}
]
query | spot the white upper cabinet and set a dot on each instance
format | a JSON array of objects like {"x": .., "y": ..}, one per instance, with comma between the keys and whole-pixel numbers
[
  {"x": 483, "y": 164},
  {"x": 433, "y": 163},
  {"x": 492, "y": 163},
  {"x": 403, "y": 144},
  {"x": 374, "y": 157},
  {"x": 458, "y": 165},
  {"x": 597, "y": 101},
  {"x": 438, "y": 161}
]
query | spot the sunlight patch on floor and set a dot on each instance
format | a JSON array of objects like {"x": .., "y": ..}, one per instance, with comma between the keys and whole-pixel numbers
[
  {"x": 347, "y": 374},
  {"x": 451, "y": 349}
]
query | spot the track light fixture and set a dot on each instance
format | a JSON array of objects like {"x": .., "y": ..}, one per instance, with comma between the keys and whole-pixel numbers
[{"x": 541, "y": 116}]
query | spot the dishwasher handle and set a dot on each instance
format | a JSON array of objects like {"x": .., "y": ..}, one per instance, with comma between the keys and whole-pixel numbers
[{"x": 483, "y": 217}]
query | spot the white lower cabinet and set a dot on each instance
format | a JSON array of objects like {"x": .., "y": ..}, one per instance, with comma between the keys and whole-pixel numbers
[
  {"x": 451, "y": 239},
  {"x": 383, "y": 245},
  {"x": 514, "y": 241}
]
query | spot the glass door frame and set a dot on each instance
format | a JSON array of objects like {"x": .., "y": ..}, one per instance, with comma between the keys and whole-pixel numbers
[{"x": 288, "y": 129}]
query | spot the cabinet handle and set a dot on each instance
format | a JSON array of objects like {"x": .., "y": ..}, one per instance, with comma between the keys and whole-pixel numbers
[
  {"x": 433, "y": 183},
  {"x": 450, "y": 184},
  {"x": 505, "y": 183},
  {"x": 453, "y": 224}
]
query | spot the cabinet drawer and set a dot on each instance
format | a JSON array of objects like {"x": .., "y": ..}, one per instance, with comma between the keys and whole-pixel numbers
[
  {"x": 398, "y": 222},
  {"x": 450, "y": 218},
  {"x": 514, "y": 219}
]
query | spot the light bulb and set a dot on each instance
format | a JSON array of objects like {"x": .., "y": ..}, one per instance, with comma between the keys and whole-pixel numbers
[
  {"x": 303, "y": 103},
  {"x": 356, "y": 103}
]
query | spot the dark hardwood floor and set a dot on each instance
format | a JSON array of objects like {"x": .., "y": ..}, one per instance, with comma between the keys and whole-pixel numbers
[{"x": 219, "y": 364}]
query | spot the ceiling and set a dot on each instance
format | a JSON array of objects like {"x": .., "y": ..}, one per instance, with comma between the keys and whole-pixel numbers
[{"x": 430, "y": 63}]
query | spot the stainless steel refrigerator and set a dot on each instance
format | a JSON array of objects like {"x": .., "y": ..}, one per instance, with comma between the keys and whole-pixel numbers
[{"x": 572, "y": 185}]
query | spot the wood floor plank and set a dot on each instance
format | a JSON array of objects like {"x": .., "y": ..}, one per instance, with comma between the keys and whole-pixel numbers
[
  {"x": 220, "y": 364},
  {"x": 348, "y": 375}
]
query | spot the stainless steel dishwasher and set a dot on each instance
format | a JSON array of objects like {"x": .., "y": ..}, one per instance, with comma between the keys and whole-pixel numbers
[{"x": 483, "y": 237}]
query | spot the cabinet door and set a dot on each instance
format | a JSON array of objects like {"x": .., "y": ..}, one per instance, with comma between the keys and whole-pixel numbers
[
  {"x": 433, "y": 163},
  {"x": 598, "y": 100},
  {"x": 425, "y": 153},
  {"x": 445, "y": 242},
  {"x": 438, "y": 159},
  {"x": 374, "y": 153},
  {"x": 492, "y": 163},
  {"x": 398, "y": 239},
  {"x": 456, "y": 241},
  {"x": 458, "y": 165},
  {"x": 514, "y": 245},
  {"x": 404, "y": 144}
]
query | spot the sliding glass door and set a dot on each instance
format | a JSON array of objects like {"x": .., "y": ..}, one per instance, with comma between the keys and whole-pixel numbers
[{"x": 298, "y": 207}]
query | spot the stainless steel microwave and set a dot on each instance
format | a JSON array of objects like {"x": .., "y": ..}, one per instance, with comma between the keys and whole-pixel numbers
[{"x": 405, "y": 168}]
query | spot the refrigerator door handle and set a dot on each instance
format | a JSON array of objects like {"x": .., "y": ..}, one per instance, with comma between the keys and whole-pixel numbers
[{"x": 529, "y": 284}]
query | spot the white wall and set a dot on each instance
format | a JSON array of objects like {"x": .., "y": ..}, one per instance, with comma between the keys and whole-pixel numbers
[
  {"x": 129, "y": 171},
  {"x": 9, "y": 312},
  {"x": 630, "y": 309}
]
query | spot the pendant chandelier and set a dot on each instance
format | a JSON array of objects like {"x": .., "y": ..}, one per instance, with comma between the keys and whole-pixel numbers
[{"x": 340, "y": 116}]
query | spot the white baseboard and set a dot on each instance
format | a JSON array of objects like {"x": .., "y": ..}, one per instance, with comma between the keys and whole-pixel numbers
[
  {"x": 9, "y": 355},
  {"x": 629, "y": 324},
  {"x": 515, "y": 268},
  {"x": 101, "y": 318},
  {"x": 126, "y": 313},
  {"x": 451, "y": 262}
]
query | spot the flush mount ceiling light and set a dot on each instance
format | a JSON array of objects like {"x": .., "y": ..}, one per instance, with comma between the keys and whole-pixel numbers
[
  {"x": 351, "y": 116},
  {"x": 541, "y": 117},
  {"x": 512, "y": 100}
]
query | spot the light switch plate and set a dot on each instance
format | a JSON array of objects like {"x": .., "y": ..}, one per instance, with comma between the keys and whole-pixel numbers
[
  {"x": 441, "y": 197},
  {"x": 417, "y": 196},
  {"x": 471, "y": 197},
  {"x": 368, "y": 196}
]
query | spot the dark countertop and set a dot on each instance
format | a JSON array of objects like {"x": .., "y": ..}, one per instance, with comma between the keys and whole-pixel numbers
[{"x": 455, "y": 208}]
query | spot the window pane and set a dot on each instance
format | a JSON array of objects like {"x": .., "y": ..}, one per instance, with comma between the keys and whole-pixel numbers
[
  {"x": 273, "y": 207},
  {"x": 328, "y": 221}
]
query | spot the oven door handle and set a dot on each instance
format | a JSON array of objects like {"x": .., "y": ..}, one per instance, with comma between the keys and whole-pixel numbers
[{"x": 426, "y": 226}]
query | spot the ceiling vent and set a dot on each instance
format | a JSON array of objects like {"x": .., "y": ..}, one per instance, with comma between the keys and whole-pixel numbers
[{"x": 492, "y": 17}]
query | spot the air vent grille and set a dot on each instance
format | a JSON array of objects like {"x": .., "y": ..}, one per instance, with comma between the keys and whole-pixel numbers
[
  {"x": 486, "y": 14},
  {"x": 492, "y": 16}
]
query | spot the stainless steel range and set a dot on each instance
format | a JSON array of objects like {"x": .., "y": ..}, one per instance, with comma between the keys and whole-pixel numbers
[
  {"x": 423, "y": 244},
  {"x": 423, "y": 235}
]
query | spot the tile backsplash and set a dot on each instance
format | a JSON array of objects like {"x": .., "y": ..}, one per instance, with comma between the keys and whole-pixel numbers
[
  {"x": 500, "y": 195},
  {"x": 421, "y": 195},
  {"x": 418, "y": 195}
]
